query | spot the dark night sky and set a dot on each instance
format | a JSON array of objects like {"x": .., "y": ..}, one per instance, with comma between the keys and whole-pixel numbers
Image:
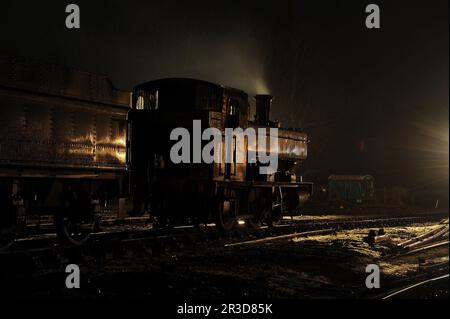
[{"x": 373, "y": 101}]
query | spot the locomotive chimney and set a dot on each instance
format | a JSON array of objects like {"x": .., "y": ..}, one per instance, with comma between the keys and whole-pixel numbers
[{"x": 263, "y": 105}]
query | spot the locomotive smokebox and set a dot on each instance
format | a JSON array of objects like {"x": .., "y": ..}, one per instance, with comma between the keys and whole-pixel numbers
[{"x": 263, "y": 105}]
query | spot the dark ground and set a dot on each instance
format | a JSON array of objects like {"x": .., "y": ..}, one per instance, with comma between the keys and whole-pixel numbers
[{"x": 327, "y": 266}]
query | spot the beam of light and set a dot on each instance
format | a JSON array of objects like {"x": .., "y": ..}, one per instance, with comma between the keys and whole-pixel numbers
[
  {"x": 432, "y": 141},
  {"x": 431, "y": 138},
  {"x": 428, "y": 147}
]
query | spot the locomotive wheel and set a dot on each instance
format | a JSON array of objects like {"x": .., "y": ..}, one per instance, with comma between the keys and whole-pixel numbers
[
  {"x": 259, "y": 208},
  {"x": 227, "y": 211},
  {"x": 75, "y": 230},
  {"x": 277, "y": 210}
]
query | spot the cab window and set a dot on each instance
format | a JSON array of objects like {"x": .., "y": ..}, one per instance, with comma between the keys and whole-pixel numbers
[
  {"x": 147, "y": 100},
  {"x": 233, "y": 113},
  {"x": 207, "y": 98}
]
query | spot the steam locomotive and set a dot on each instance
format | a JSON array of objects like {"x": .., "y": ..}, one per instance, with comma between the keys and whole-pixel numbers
[{"x": 75, "y": 148}]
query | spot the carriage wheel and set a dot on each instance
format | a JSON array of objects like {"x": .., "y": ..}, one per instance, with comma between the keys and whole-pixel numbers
[
  {"x": 227, "y": 211},
  {"x": 8, "y": 235},
  {"x": 75, "y": 230},
  {"x": 11, "y": 228},
  {"x": 77, "y": 221}
]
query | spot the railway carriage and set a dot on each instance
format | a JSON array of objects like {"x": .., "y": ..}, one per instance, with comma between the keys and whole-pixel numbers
[{"x": 62, "y": 146}]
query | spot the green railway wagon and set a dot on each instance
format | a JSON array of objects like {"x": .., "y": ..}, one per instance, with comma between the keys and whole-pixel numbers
[{"x": 351, "y": 188}]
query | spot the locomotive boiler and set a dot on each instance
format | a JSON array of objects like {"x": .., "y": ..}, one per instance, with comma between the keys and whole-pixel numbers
[{"x": 72, "y": 145}]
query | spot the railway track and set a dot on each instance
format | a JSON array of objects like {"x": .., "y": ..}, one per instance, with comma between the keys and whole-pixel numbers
[
  {"x": 164, "y": 248},
  {"x": 429, "y": 252},
  {"x": 109, "y": 244},
  {"x": 412, "y": 290},
  {"x": 432, "y": 286},
  {"x": 209, "y": 231}
]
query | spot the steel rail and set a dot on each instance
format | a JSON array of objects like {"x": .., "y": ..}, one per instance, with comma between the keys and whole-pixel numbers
[{"x": 395, "y": 293}]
